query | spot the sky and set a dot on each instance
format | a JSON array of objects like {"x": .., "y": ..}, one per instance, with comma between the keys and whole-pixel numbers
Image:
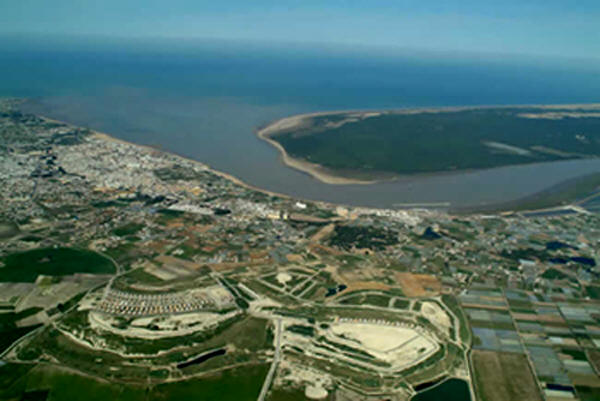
[{"x": 557, "y": 28}]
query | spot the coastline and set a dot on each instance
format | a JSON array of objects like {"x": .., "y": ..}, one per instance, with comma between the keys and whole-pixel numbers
[
  {"x": 517, "y": 205},
  {"x": 329, "y": 176},
  {"x": 563, "y": 195},
  {"x": 109, "y": 138},
  {"x": 315, "y": 170},
  {"x": 557, "y": 196}
]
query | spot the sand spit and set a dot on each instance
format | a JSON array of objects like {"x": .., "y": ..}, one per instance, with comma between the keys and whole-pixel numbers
[
  {"x": 330, "y": 176},
  {"x": 315, "y": 170}
]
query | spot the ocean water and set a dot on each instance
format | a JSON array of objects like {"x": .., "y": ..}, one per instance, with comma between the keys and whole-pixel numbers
[{"x": 205, "y": 99}]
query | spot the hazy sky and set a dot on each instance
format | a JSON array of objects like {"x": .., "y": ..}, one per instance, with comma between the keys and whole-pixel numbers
[{"x": 539, "y": 27}]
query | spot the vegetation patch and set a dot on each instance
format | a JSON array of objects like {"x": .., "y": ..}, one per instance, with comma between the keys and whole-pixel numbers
[
  {"x": 128, "y": 229},
  {"x": 27, "y": 266},
  {"x": 241, "y": 384},
  {"x": 308, "y": 331},
  {"x": 8, "y": 229},
  {"x": 554, "y": 274},
  {"x": 464, "y": 331},
  {"x": 348, "y": 237},
  {"x": 441, "y": 141},
  {"x": 22, "y": 382},
  {"x": 9, "y": 332}
]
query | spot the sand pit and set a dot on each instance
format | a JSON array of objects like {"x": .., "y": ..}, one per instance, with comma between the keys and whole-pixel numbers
[
  {"x": 374, "y": 337},
  {"x": 315, "y": 392},
  {"x": 283, "y": 278},
  {"x": 398, "y": 345}
]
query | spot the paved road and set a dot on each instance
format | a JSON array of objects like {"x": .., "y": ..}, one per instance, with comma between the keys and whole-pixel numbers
[{"x": 269, "y": 378}]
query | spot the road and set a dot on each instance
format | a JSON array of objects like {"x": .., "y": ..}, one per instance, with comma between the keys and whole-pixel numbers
[
  {"x": 50, "y": 321},
  {"x": 119, "y": 272},
  {"x": 269, "y": 378}
]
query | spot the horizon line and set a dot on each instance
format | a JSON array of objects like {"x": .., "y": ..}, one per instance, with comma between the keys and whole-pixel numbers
[{"x": 382, "y": 50}]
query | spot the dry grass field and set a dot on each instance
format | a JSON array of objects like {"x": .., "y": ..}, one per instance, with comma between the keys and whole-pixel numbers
[
  {"x": 501, "y": 376},
  {"x": 418, "y": 285}
]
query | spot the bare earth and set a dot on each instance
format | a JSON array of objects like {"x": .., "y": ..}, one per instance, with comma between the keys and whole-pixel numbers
[{"x": 400, "y": 346}]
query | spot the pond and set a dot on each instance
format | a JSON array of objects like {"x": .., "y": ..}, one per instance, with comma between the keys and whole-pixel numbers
[
  {"x": 202, "y": 358},
  {"x": 450, "y": 390}
]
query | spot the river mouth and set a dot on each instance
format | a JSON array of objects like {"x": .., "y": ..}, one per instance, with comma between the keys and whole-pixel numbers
[
  {"x": 205, "y": 101},
  {"x": 220, "y": 132}
]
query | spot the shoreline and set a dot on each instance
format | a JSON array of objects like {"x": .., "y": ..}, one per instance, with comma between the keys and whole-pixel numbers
[
  {"x": 329, "y": 176},
  {"x": 110, "y": 138},
  {"x": 562, "y": 195},
  {"x": 494, "y": 208},
  {"x": 520, "y": 205},
  {"x": 315, "y": 170}
]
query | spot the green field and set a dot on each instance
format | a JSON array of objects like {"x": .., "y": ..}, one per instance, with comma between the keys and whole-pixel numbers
[
  {"x": 464, "y": 330},
  {"x": 128, "y": 229},
  {"x": 20, "y": 381},
  {"x": 429, "y": 142},
  {"x": 26, "y": 266},
  {"x": 9, "y": 332},
  {"x": 242, "y": 384},
  {"x": 8, "y": 229}
]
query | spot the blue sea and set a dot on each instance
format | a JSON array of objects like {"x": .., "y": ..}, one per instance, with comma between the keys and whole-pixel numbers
[{"x": 204, "y": 99}]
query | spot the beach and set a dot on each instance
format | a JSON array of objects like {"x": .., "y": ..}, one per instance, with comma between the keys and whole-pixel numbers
[{"x": 315, "y": 170}]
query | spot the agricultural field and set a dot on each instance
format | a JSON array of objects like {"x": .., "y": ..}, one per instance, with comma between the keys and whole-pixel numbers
[
  {"x": 27, "y": 266},
  {"x": 501, "y": 376},
  {"x": 45, "y": 383},
  {"x": 12, "y": 327},
  {"x": 557, "y": 339},
  {"x": 241, "y": 384}
]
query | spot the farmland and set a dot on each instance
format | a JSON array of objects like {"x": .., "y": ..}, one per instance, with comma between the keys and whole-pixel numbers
[
  {"x": 23, "y": 381},
  {"x": 504, "y": 377},
  {"x": 27, "y": 266}
]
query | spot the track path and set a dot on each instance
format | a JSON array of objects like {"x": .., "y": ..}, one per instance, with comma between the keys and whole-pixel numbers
[{"x": 269, "y": 378}]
